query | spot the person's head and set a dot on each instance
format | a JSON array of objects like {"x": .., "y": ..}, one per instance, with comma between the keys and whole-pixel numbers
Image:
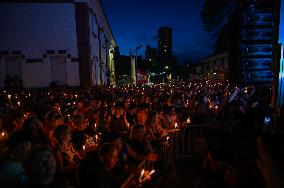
[
  {"x": 132, "y": 108},
  {"x": 152, "y": 118},
  {"x": 81, "y": 105},
  {"x": 119, "y": 109},
  {"x": 62, "y": 133},
  {"x": 80, "y": 122},
  {"x": 19, "y": 144},
  {"x": 17, "y": 119},
  {"x": 137, "y": 132},
  {"x": 54, "y": 119},
  {"x": 116, "y": 140},
  {"x": 161, "y": 114},
  {"x": 141, "y": 116},
  {"x": 40, "y": 166},
  {"x": 108, "y": 155},
  {"x": 33, "y": 126},
  {"x": 55, "y": 106}
]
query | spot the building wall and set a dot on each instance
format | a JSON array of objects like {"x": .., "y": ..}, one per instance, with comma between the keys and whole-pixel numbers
[
  {"x": 101, "y": 43},
  {"x": 33, "y": 29},
  {"x": 215, "y": 66}
]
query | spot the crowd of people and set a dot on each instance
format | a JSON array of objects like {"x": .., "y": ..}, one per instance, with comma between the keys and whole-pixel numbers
[{"x": 96, "y": 137}]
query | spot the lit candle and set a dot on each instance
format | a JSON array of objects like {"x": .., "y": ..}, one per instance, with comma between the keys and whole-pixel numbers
[
  {"x": 9, "y": 97},
  {"x": 76, "y": 96},
  {"x": 188, "y": 120},
  {"x": 84, "y": 151},
  {"x": 96, "y": 136},
  {"x": 168, "y": 138},
  {"x": 3, "y": 134},
  {"x": 19, "y": 103},
  {"x": 142, "y": 174},
  {"x": 152, "y": 172},
  {"x": 176, "y": 126}
]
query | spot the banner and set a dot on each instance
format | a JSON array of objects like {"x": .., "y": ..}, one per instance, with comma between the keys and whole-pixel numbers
[{"x": 142, "y": 77}]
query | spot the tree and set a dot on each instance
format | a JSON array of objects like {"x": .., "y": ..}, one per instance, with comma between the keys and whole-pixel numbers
[{"x": 214, "y": 14}]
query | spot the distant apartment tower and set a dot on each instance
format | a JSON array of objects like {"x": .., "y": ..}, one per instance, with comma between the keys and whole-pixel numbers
[
  {"x": 152, "y": 57},
  {"x": 165, "y": 45}
]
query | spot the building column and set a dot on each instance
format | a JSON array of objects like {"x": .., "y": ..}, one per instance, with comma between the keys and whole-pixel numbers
[{"x": 83, "y": 43}]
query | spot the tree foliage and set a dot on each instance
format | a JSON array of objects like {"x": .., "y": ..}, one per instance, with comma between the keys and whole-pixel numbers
[{"x": 215, "y": 13}]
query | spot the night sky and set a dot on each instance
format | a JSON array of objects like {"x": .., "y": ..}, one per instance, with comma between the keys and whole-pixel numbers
[{"x": 137, "y": 21}]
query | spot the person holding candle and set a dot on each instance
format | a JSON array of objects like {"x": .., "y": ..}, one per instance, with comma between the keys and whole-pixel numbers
[
  {"x": 66, "y": 156},
  {"x": 53, "y": 119},
  {"x": 153, "y": 128},
  {"x": 126, "y": 151},
  {"x": 140, "y": 143},
  {"x": 99, "y": 175},
  {"x": 119, "y": 123}
]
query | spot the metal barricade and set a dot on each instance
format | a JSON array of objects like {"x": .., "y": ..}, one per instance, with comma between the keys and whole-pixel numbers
[{"x": 190, "y": 140}]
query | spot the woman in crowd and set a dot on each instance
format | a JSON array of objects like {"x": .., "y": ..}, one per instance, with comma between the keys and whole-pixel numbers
[
  {"x": 53, "y": 119},
  {"x": 139, "y": 142},
  {"x": 66, "y": 156},
  {"x": 34, "y": 129},
  {"x": 153, "y": 128}
]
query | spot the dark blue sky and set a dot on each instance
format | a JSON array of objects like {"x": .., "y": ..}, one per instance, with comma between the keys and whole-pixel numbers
[{"x": 137, "y": 21}]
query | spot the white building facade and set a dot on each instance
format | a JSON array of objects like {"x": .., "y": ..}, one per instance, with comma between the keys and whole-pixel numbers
[{"x": 68, "y": 43}]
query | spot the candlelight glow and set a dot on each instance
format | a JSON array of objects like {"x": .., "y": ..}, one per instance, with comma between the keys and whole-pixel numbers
[
  {"x": 142, "y": 174},
  {"x": 152, "y": 172},
  {"x": 176, "y": 126},
  {"x": 188, "y": 120}
]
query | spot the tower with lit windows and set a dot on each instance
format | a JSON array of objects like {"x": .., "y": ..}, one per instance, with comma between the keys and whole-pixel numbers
[{"x": 165, "y": 45}]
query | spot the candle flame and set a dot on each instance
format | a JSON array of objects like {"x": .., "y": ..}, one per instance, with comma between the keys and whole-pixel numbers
[
  {"x": 152, "y": 172},
  {"x": 176, "y": 125},
  {"x": 188, "y": 120}
]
